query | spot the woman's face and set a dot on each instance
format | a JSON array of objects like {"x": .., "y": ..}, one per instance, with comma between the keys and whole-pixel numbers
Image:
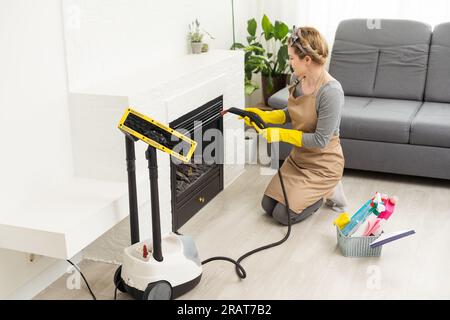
[{"x": 299, "y": 66}]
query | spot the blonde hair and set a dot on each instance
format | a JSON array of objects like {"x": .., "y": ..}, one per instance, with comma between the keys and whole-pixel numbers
[{"x": 307, "y": 41}]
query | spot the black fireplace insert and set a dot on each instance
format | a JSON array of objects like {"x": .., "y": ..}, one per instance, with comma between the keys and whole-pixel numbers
[{"x": 194, "y": 184}]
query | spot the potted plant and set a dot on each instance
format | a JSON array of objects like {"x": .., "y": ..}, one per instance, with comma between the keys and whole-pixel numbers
[
  {"x": 196, "y": 37},
  {"x": 266, "y": 54}
]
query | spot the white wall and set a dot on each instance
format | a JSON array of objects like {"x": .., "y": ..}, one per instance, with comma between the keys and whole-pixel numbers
[
  {"x": 113, "y": 37},
  {"x": 33, "y": 114},
  {"x": 109, "y": 38},
  {"x": 325, "y": 15}
]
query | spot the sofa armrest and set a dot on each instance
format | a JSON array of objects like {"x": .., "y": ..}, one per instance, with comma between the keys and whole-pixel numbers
[{"x": 279, "y": 99}]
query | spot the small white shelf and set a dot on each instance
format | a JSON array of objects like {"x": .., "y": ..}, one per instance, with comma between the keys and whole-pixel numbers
[{"x": 61, "y": 220}]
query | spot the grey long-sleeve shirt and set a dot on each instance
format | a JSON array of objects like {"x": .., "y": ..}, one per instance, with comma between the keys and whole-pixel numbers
[{"x": 329, "y": 103}]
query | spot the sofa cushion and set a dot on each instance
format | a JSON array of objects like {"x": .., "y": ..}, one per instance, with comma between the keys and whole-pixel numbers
[
  {"x": 354, "y": 66},
  {"x": 386, "y": 62},
  {"x": 438, "y": 80},
  {"x": 431, "y": 125},
  {"x": 401, "y": 72},
  {"x": 377, "y": 119}
]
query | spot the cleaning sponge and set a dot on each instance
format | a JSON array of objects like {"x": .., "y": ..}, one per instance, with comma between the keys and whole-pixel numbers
[{"x": 342, "y": 220}]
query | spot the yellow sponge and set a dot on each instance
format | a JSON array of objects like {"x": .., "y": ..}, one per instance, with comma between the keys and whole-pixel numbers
[{"x": 342, "y": 220}]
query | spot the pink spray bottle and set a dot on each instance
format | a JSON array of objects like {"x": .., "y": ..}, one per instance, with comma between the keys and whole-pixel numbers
[{"x": 377, "y": 227}]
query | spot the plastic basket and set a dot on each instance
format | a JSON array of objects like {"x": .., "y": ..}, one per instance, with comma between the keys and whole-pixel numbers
[{"x": 357, "y": 246}]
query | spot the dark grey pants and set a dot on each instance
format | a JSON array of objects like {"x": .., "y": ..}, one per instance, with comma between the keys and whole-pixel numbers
[{"x": 278, "y": 211}]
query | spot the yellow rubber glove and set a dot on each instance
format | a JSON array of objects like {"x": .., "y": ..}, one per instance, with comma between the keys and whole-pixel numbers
[
  {"x": 250, "y": 123},
  {"x": 291, "y": 136},
  {"x": 274, "y": 117}
]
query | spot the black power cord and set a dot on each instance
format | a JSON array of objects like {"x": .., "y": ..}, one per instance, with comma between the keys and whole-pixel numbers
[
  {"x": 240, "y": 271},
  {"x": 82, "y": 275},
  {"x": 115, "y": 293}
]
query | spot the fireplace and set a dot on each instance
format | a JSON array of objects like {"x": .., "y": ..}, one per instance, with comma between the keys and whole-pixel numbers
[{"x": 194, "y": 184}]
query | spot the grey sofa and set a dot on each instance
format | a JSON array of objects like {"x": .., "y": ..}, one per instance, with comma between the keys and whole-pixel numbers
[{"x": 396, "y": 80}]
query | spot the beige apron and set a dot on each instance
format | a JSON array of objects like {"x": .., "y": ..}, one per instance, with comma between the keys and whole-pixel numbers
[{"x": 309, "y": 174}]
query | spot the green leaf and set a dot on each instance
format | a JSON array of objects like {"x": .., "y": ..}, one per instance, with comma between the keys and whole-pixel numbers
[
  {"x": 248, "y": 75},
  {"x": 274, "y": 69},
  {"x": 254, "y": 68},
  {"x": 249, "y": 67},
  {"x": 250, "y": 87},
  {"x": 259, "y": 45},
  {"x": 260, "y": 57},
  {"x": 237, "y": 46},
  {"x": 267, "y": 27},
  {"x": 283, "y": 55},
  {"x": 282, "y": 60},
  {"x": 269, "y": 84},
  {"x": 250, "y": 39},
  {"x": 251, "y": 27},
  {"x": 280, "y": 30},
  {"x": 254, "y": 49}
]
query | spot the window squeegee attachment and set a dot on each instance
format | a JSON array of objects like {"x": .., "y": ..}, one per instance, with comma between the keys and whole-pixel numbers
[{"x": 156, "y": 134}]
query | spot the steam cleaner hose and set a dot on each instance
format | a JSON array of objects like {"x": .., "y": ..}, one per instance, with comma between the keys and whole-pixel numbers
[{"x": 240, "y": 271}]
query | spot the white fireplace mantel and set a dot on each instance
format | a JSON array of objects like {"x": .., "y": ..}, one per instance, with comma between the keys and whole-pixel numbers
[{"x": 63, "y": 220}]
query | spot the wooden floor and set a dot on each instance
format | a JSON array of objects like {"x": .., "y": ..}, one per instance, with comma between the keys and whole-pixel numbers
[{"x": 309, "y": 265}]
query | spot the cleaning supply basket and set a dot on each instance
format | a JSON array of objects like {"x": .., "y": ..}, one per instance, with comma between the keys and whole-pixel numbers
[{"x": 357, "y": 246}]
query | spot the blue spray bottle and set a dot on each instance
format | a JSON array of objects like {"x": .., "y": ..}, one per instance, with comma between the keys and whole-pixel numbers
[{"x": 357, "y": 218}]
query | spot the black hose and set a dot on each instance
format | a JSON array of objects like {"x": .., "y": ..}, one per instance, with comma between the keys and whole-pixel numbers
[{"x": 240, "y": 271}]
